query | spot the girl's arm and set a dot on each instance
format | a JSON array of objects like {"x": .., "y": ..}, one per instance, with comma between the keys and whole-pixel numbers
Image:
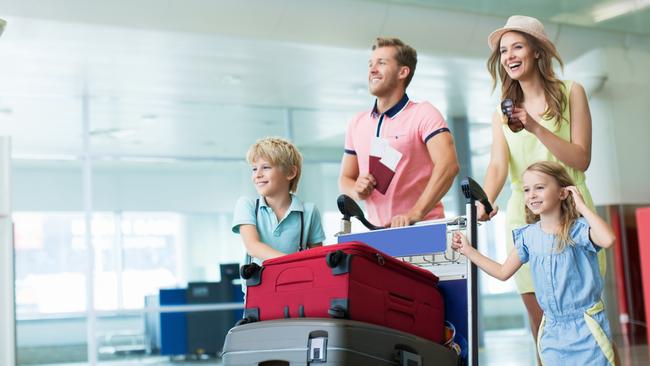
[
  {"x": 577, "y": 152},
  {"x": 255, "y": 247},
  {"x": 494, "y": 269},
  {"x": 497, "y": 170},
  {"x": 600, "y": 232}
]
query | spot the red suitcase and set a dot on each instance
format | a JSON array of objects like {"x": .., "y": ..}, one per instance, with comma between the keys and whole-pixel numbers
[{"x": 348, "y": 280}]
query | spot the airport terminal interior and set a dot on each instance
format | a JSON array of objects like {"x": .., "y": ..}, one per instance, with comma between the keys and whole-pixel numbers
[{"x": 124, "y": 127}]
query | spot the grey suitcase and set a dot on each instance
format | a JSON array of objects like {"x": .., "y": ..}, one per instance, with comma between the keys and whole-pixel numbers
[{"x": 329, "y": 342}]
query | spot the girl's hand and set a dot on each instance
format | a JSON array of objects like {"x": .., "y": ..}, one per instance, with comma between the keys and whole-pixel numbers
[
  {"x": 459, "y": 243},
  {"x": 577, "y": 198},
  {"x": 529, "y": 123}
]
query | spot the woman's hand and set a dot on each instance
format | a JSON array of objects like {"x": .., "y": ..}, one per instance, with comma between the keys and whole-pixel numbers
[
  {"x": 527, "y": 120},
  {"x": 577, "y": 198},
  {"x": 480, "y": 211}
]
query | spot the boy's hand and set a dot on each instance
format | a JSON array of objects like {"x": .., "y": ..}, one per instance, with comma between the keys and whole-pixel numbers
[
  {"x": 577, "y": 198},
  {"x": 459, "y": 243},
  {"x": 365, "y": 185}
]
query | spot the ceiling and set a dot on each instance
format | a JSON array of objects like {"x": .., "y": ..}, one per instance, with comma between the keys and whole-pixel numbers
[{"x": 197, "y": 80}]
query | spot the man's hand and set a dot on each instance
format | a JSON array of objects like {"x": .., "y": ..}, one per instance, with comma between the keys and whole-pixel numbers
[
  {"x": 480, "y": 212},
  {"x": 364, "y": 185},
  {"x": 405, "y": 220}
]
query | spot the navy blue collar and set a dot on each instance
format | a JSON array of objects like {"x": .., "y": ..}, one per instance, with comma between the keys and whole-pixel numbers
[{"x": 392, "y": 111}]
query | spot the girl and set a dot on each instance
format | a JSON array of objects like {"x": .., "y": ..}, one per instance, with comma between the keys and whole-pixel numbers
[
  {"x": 562, "y": 249},
  {"x": 556, "y": 122}
]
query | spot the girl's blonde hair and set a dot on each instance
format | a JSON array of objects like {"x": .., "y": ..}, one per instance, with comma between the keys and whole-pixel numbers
[
  {"x": 278, "y": 152},
  {"x": 568, "y": 211},
  {"x": 556, "y": 100}
]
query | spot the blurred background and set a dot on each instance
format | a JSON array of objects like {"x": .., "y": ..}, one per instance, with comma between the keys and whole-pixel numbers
[{"x": 125, "y": 125}]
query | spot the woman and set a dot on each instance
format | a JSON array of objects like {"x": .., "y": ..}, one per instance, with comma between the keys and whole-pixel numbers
[{"x": 556, "y": 125}]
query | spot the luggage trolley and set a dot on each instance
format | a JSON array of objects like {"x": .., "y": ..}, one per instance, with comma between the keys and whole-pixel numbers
[{"x": 425, "y": 245}]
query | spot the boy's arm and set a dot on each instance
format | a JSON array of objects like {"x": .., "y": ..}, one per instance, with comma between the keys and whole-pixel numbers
[
  {"x": 255, "y": 247},
  {"x": 500, "y": 271}
]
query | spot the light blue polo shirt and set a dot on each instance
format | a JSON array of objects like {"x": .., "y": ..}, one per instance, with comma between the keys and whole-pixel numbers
[{"x": 283, "y": 235}]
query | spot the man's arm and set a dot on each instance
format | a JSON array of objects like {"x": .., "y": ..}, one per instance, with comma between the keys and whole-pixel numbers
[
  {"x": 445, "y": 168},
  {"x": 350, "y": 183}
]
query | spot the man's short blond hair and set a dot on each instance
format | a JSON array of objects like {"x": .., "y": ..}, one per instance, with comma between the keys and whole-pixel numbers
[
  {"x": 278, "y": 152},
  {"x": 404, "y": 54}
]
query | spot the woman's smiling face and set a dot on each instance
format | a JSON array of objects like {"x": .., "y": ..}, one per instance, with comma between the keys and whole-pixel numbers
[{"x": 517, "y": 55}]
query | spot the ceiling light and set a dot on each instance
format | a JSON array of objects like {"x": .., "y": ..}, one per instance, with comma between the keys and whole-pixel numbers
[
  {"x": 149, "y": 116},
  {"x": 113, "y": 133},
  {"x": 615, "y": 9},
  {"x": 230, "y": 80}
]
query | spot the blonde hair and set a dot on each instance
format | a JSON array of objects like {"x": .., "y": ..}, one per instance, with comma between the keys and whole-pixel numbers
[
  {"x": 556, "y": 100},
  {"x": 404, "y": 54},
  {"x": 568, "y": 211},
  {"x": 278, "y": 152}
]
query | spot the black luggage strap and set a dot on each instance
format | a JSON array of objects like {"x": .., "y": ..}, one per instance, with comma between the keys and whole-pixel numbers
[{"x": 302, "y": 229}]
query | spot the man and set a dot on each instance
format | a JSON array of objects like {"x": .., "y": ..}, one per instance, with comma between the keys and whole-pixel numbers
[{"x": 397, "y": 129}]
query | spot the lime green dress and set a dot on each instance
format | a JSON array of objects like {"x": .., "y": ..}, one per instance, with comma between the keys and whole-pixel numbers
[{"x": 526, "y": 149}]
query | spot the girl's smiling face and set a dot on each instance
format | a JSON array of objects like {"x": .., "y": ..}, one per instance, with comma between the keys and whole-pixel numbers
[{"x": 542, "y": 193}]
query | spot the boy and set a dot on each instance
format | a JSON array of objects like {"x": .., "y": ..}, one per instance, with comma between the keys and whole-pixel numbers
[{"x": 276, "y": 222}]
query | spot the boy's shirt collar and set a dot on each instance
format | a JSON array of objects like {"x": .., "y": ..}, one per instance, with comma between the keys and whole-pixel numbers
[{"x": 296, "y": 203}]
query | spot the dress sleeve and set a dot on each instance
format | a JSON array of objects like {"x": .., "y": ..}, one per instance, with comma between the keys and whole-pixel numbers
[
  {"x": 244, "y": 213},
  {"x": 580, "y": 235},
  {"x": 518, "y": 238}
]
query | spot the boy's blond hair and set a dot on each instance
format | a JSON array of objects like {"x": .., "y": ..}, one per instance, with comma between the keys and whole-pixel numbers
[{"x": 278, "y": 152}]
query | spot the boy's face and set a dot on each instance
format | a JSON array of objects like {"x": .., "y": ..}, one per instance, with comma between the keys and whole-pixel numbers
[{"x": 270, "y": 180}]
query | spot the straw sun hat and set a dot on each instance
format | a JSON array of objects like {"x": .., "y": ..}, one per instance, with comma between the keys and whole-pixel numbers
[{"x": 524, "y": 24}]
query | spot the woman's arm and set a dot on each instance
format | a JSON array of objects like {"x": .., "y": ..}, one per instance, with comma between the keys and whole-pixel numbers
[
  {"x": 255, "y": 247},
  {"x": 497, "y": 170},
  {"x": 575, "y": 153},
  {"x": 494, "y": 269}
]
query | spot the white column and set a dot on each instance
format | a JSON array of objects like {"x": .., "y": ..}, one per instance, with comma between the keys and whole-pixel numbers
[{"x": 7, "y": 309}]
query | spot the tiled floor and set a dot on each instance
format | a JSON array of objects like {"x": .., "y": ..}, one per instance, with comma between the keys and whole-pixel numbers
[{"x": 501, "y": 348}]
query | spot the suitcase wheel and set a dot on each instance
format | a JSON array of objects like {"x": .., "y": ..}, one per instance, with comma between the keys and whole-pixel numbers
[
  {"x": 337, "y": 312},
  {"x": 248, "y": 270},
  {"x": 334, "y": 258},
  {"x": 246, "y": 320}
]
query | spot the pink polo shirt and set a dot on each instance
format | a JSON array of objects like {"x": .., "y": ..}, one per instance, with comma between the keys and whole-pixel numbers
[{"x": 407, "y": 126}]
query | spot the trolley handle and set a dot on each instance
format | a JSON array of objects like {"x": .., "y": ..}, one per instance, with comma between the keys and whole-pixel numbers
[{"x": 473, "y": 190}]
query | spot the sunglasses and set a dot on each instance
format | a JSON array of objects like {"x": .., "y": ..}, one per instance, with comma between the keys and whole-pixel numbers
[{"x": 507, "y": 107}]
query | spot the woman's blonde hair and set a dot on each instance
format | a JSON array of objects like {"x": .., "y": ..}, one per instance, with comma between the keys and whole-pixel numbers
[
  {"x": 568, "y": 211},
  {"x": 278, "y": 152},
  {"x": 556, "y": 100}
]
